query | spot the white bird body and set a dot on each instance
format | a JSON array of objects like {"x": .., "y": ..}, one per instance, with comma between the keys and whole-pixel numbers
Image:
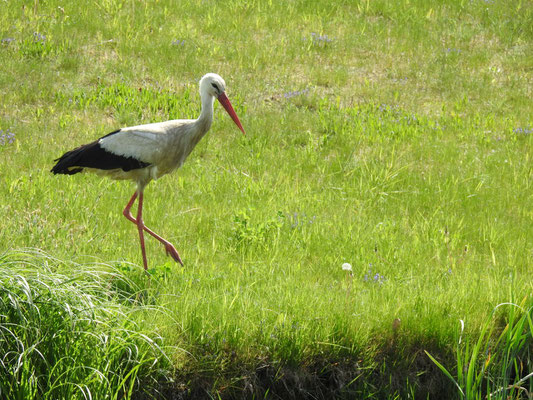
[
  {"x": 163, "y": 145},
  {"x": 145, "y": 152}
]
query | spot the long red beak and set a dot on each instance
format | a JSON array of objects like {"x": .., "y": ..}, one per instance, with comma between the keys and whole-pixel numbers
[{"x": 223, "y": 99}]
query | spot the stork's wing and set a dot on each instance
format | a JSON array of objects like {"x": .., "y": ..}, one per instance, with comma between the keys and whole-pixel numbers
[
  {"x": 144, "y": 143},
  {"x": 147, "y": 143}
]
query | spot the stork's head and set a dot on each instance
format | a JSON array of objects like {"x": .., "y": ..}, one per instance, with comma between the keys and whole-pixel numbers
[{"x": 213, "y": 85}]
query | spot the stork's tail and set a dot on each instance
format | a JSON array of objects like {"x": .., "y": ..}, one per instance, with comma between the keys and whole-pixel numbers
[{"x": 68, "y": 163}]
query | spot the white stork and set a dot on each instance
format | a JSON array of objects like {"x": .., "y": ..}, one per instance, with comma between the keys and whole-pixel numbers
[{"x": 145, "y": 152}]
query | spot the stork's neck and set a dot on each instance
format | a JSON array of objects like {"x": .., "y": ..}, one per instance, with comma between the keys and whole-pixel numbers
[{"x": 206, "y": 115}]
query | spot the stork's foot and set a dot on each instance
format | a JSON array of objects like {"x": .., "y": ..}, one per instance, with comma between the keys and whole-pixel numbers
[{"x": 172, "y": 252}]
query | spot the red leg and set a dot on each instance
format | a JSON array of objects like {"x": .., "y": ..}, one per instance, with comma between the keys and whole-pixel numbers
[
  {"x": 169, "y": 248},
  {"x": 140, "y": 227},
  {"x": 127, "y": 210}
]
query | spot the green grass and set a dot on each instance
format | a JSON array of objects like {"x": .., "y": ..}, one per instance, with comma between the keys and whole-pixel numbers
[
  {"x": 73, "y": 336},
  {"x": 499, "y": 364},
  {"x": 395, "y": 136}
]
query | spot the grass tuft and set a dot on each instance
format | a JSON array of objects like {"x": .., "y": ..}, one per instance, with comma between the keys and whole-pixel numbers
[
  {"x": 66, "y": 333},
  {"x": 498, "y": 364}
]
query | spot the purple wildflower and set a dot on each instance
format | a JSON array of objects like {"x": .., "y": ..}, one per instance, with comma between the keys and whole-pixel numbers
[
  {"x": 37, "y": 37},
  {"x": 523, "y": 131},
  {"x": 451, "y": 50},
  {"x": 299, "y": 219},
  {"x": 373, "y": 277},
  {"x": 319, "y": 39},
  {"x": 295, "y": 93},
  {"x": 6, "y": 137}
]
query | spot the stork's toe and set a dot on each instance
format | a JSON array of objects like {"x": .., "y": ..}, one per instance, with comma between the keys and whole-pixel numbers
[{"x": 172, "y": 252}]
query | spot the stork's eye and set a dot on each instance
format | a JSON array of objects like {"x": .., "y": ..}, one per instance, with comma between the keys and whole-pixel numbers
[{"x": 216, "y": 87}]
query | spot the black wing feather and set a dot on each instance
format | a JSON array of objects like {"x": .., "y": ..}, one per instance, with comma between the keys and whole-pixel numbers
[{"x": 92, "y": 155}]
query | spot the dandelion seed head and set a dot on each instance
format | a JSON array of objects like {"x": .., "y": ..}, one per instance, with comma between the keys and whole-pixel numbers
[{"x": 346, "y": 267}]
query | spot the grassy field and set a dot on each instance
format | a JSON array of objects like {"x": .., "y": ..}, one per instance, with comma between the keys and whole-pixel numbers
[{"x": 393, "y": 136}]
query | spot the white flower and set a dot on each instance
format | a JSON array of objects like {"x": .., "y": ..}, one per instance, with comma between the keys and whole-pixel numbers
[{"x": 346, "y": 267}]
